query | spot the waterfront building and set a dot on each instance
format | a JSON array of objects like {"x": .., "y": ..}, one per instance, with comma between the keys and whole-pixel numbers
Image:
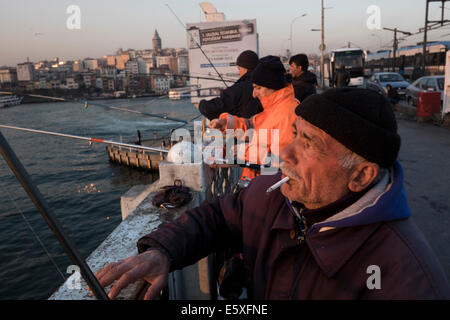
[
  {"x": 149, "y": 64},
  {"x": 142, "y": 66},
  {"x": 160, "y": 84},
  {"x": 44, "y": 84},
  {"x": 105, "y": 83},
  {"x": 162, "y": 61},
  {"x": 71, "y": 84},
  {"x": 25, "y": 72},
  {"x": 132, "y": 54},
  {"x": 108, "y": 70},
  {"x": 55, "y": 84},
  {"x": 90, "y": 64},
  {"x": 131, "y": 67},
  {"x": 88, "y": 79},
  {"x": 110, "y": 60},
  {"x": 183, "y": 64},
  {"x": 8, "y": 75},
  {"x": 121, "y": 60},
  {"x": 77, "y": 66}
]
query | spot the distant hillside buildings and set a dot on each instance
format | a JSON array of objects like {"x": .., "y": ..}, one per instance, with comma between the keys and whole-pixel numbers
[{"x": 132, "y": 71}]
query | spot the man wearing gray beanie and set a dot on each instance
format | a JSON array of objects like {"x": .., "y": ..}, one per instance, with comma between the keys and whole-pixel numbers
[
  {"x": 237, "y": 99},
  {"x": 339, "y": 228}
]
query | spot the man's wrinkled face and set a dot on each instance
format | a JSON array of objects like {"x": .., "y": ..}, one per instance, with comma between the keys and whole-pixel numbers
[
  {"x": 311, "y": 161},
  {"x": 296, "y": 70},
  {"x": 260, "y": 91}
]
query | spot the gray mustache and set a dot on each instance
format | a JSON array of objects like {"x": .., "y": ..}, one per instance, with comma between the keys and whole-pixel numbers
[{"x": 289, "y": 171}]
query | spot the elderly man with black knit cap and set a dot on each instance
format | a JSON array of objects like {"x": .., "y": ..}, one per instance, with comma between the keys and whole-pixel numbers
[
  {"x": 278, "y": 101},
  {"x": 339, "y": 228},
  {"x": 237, "y": 99}
]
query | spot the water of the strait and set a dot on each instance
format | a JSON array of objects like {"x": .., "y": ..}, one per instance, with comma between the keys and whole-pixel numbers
[{"x": 81, "y": 186}]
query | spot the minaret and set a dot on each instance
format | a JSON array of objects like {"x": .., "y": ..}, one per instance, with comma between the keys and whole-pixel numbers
[{"x": 156, "y": 41}]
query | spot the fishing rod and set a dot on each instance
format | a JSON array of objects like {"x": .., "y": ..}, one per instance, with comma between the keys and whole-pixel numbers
[
  {"x": 88, "y": 103},
  {"x": 196, "y": 77},
  {"x": 89, "y": 139},
  {"x": 49, "y": 217},
  {"x": 198, "y": 45}
]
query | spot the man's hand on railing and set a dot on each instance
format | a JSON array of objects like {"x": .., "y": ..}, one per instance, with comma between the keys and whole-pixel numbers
[{"x": 152, "y": 266}]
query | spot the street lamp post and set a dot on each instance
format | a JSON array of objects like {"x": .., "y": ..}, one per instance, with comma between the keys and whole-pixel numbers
[
  {"x": 322, "y": 46},
  {"x": 322, "y": 49},
  {"x": 291, "y": 27}
]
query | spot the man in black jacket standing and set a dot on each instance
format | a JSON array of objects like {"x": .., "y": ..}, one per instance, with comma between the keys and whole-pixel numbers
[
  {"x": 238, "y": 99},
  {"x": 304, "y": 81},
  {"x": 341, "y": 77}
]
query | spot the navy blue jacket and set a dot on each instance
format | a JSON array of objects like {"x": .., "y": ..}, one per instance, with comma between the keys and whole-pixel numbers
[
  {"x": 304, "y": 85},
  {"x": 236, "y": 100}
]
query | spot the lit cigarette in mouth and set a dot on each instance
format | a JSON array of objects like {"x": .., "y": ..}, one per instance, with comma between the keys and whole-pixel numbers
[{"x": 277, "y": 185}]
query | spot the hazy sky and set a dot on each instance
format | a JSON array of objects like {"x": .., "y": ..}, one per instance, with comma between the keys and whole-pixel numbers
[{"x": 37, "y": 28}]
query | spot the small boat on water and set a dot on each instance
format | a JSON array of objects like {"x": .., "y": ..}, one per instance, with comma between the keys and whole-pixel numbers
[{"x": 7, "y": 101}]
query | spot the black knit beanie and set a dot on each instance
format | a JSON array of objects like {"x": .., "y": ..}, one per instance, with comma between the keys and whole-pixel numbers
[
  {"x": 270, "y": 73},
  {"x": 247, "y": 59},
  {"x": 360, "y": 119}
]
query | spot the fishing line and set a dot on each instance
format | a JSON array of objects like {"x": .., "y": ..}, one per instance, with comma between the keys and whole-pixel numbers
[
  {"x": 33, "y": 232},
  {"x": 199, "y": 76},
  {"x": 88, "y": 103},
  {"x": 88, "y": 139},
  {"x": 198, "y": 45},
  {"x": 182, "y": 125}
]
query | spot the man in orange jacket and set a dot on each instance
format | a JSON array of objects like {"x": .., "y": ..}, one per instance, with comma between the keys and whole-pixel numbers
[{"x": 278, "y": 101}]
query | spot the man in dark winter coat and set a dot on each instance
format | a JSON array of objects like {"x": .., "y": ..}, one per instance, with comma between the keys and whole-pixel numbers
[
  {"x": 238, "y": 99},
  {"x": 340, "y": 228},
  {"x": 304, "y": 81}
]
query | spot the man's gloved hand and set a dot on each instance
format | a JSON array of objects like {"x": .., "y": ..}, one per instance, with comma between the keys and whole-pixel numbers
[{"x": 152, "y": 266}]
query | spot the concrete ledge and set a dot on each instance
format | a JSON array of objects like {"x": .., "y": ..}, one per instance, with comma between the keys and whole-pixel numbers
[
  {"x": 194, "y": 175},
  {"x": 121, "y": 244},
  {"x": 132, "y": 198},
  {"x": 140, "y": 217}
]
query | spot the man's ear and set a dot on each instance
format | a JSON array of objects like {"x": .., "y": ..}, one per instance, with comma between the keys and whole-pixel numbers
[{"x": 362, "y": 176}]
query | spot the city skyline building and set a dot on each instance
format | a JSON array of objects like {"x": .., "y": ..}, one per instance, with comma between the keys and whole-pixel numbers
[{"x": 156, "y": 42}]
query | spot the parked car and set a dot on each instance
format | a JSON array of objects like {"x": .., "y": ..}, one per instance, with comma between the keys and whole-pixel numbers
[
  {"x": 428, "y": 83},
  {"x": 378, "y": 81},
  {"x": 368, "y": 84}
]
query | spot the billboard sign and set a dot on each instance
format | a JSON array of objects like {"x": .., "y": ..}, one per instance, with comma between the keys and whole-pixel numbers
[{"x": 213, "y": 50}]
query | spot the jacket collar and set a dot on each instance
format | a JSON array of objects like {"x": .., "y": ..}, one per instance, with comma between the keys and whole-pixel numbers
[
  {"x": 245, "y": 77},
  {"x": 285, "y": 219},
  {"x": 332, "y": 248},
  {"x": 272, "y": 100},
  {"x": 335, "y": 246}
]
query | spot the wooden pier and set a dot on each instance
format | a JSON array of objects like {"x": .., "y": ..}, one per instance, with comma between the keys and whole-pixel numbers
[{"x": 139, "y": 159}]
